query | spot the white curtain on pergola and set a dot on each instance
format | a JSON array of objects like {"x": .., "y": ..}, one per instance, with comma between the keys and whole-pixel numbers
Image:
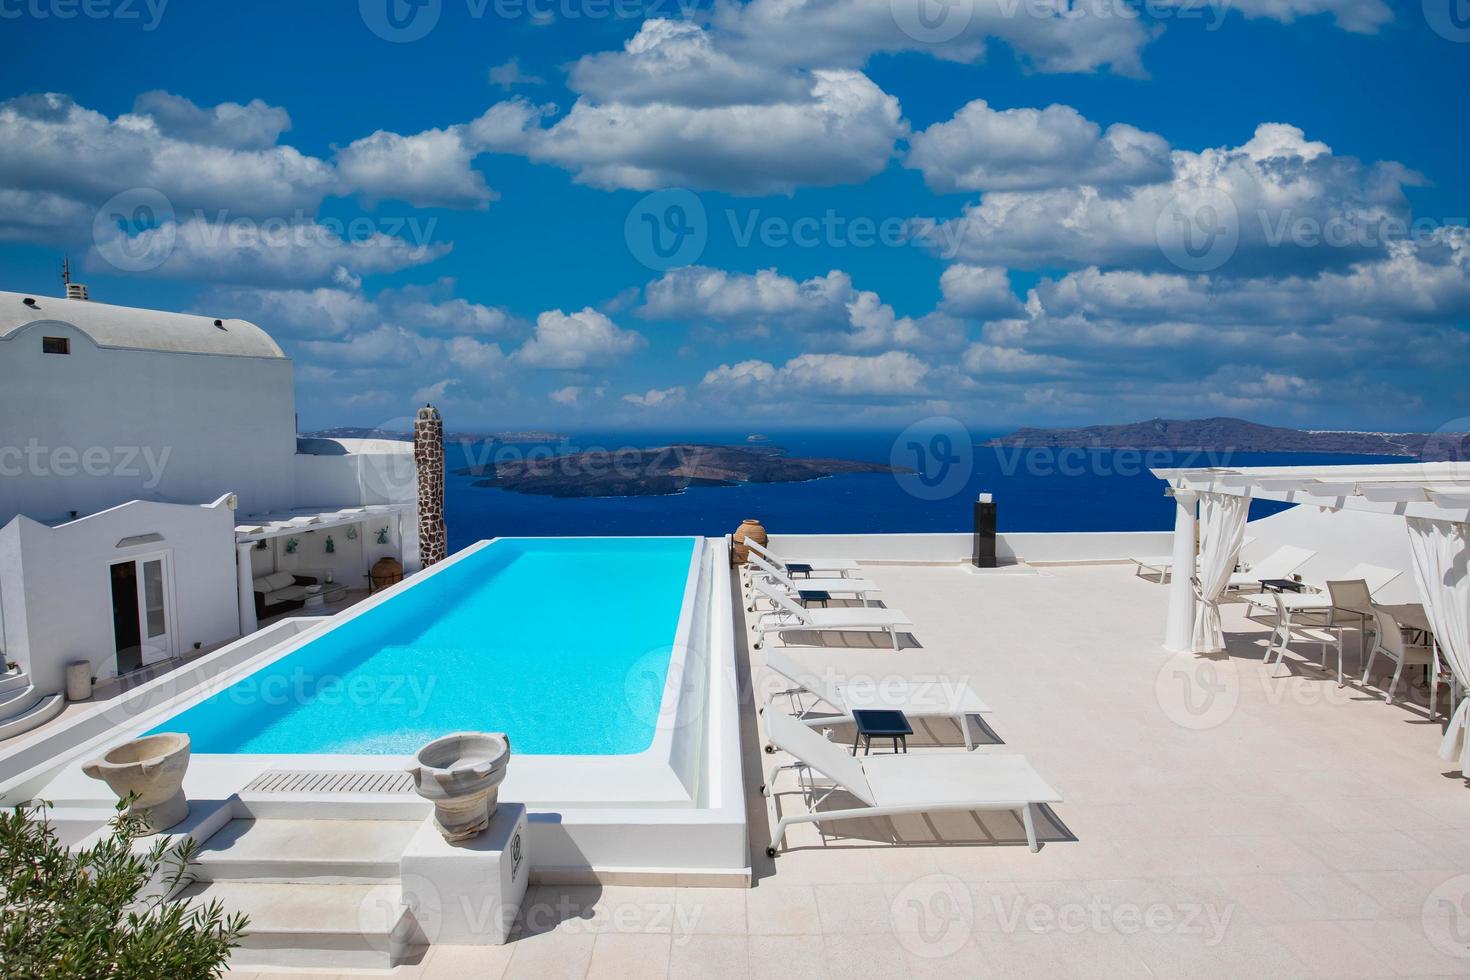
[
  {"x": 1441, "y": 552},
  {"x": 1222, "y": 519}
]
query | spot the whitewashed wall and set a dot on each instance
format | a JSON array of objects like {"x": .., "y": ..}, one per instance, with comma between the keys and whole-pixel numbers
[
  {"x": 217, "y": 424},
  {"x": 64, "y": 610}
]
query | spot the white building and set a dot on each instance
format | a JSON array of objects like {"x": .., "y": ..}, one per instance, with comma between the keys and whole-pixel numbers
[{"x": 150, "y": 477}]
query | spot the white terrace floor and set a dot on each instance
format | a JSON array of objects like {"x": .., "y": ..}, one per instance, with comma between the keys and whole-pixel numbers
[{"x": 1221, "y": 818}]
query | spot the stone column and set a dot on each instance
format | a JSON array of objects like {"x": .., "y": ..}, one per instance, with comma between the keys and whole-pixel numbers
[
  {"x": 428, "y": 456},
  {"x": 246, "y": 585},
  {"x": 1179, "y": 635}
]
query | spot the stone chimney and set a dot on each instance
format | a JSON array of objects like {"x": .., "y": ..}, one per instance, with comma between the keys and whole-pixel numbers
[{"x": 428, "y": 457}]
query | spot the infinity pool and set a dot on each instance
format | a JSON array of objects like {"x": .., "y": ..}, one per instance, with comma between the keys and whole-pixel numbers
[{"x": 563, "y": 643}]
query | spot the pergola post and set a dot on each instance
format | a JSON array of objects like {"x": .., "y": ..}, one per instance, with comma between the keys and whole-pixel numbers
[
  {"x": 246, "y": 586},
  {"x": 1178, "y": 635}
]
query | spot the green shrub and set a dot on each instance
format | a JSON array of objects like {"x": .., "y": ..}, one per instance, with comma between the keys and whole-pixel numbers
[{"x": 100, "y": 912}]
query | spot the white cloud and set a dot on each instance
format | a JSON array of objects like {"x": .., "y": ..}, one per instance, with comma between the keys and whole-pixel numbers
[
  {"x": 890, "y": 373},
  {"x": 265, "y": 253},
  {"x": 982, "y": 292},
  {"x": 1053, "y": 37},
  {"x": 827, "y": 308},
  {"x": 508, "y": 75},
  {"x": 253, "y": 126},
  {"x": 657, "y": 398},
  {"x": 841, "y": 131},
  {"x": 1358, "y": 16},
  {"x": 988, "y": 359},
  {"x": 49, "y": 144},
  {"x": 1262, "y": 195},
  {"x": 428, "y": 169},
  {"x": 571, "y": 341},
  {"x": 986, "y": 149},
  {"x": 578, "y": 394}
]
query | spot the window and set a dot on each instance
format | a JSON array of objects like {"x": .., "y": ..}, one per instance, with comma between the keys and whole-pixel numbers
[{"x": 56, "y": 345}]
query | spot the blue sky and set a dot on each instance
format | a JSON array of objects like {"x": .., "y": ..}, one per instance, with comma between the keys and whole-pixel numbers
[{"x": 868, "y": 212}]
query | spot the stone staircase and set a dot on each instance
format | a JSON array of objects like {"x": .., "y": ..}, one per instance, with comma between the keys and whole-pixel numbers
[
  {"x": 319, "y": 892},
  {"x": 22, "y": 707}
]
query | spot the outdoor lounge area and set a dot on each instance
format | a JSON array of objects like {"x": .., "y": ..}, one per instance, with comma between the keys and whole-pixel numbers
[{"x": 1219, "y": 815}]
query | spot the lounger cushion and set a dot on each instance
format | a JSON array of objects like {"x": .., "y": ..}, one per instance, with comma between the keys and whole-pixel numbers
[{"x": 945, "y": 778}]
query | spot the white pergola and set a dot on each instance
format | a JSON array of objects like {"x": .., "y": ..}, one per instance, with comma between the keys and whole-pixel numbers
[
  {"x": 278, "y": 524},
  {"x": 1433, "y": 499}
]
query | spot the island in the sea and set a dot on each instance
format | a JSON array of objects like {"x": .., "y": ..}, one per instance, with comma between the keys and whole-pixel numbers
[
  {"x": 356, "y": 432},
  {"x": 659, "y": 470},
  {"x": 1237, "y": 435}
]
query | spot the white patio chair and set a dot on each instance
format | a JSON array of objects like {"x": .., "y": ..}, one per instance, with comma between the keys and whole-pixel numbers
[
  {"x": 788, "y": 614},
  {"x": 1287, "y": 632},
  {"x": 1390, "y": 642},
  {"x": 942, "y": 697},
  {"x": 889, "y": 785}
]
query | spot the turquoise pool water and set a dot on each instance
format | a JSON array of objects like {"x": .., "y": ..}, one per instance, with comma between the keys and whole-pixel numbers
[{"x": 563, "y": 643}]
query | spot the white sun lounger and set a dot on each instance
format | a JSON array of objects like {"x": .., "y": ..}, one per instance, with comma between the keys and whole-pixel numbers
[
  {"x": 1375, "y": 576},
  {"x": 860, "y": 587},
  {"x": 939, "y": 697},
  {"x": 1163, "y": 565},
  {"x": 807, "y": 566},
  {"x": 791, "y": 615},
  {"x": 911, "y": 782},
  {"x": 1278, "y": 564}
]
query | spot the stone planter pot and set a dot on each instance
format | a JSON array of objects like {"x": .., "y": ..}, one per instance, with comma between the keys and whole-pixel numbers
[
  {"x": 153, "y": 768},
  {"x": 461, "y": 775},
  {"x": 749, "y": 529}
]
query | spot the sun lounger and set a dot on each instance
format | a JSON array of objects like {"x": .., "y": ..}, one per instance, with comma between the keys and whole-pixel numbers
[
  {"x": 791, "y": 615},
  {"x": 1277, "y": 565},
  {"x": 939, "y": 697},
  {"x": 889, "y": 785},
  {"x": 806, "y": 566},
  {"x": 1374, "y": 576},
  {"x": 1163, "y": 565},
  {"x": 859, "y": 587}
]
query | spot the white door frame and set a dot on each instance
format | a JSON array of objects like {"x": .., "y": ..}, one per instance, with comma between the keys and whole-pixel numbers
[{"x": 165, "y": 646}]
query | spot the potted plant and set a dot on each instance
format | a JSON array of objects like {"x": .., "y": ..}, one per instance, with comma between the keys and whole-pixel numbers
[
  {"x": 148, "y": 773},
  {"x": 461, "y": 775}
]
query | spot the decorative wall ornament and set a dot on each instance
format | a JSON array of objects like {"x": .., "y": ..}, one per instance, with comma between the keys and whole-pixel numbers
[
  {"x": 331, "y": 545},
  {"x": 383, "y": 534},
  {"x": 291, "y": 545},
  {"x": 352, "y": 532}
]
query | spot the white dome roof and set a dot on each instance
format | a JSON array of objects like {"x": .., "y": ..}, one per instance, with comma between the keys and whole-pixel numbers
[{"x": 135, "y": 329}]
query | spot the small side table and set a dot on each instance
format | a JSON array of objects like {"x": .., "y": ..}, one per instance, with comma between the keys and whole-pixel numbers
[
  {"x": 813, "y": 595},
  {"x": 881, "y": 723},
  {"x": 1282, "y": 585},
  {"x": 798, "y": 568}
]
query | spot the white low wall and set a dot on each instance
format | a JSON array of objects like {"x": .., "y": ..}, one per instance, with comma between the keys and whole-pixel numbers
[{"x": 956, "y": 547}]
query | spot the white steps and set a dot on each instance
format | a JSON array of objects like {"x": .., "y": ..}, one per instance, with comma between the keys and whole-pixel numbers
[
  {"x": 315, "y": 851},
  {"x": 34, "y": 716},
  {"x": 319, "y": 892},
  {"x": 351, "y": 927},
  {"x": 14, "y": 680}
]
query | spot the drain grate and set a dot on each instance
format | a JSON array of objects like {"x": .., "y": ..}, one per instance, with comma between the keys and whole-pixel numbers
[{"x": 321, "y": 781}]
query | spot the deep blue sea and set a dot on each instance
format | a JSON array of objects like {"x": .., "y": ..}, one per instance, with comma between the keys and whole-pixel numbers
[{"x": 1034, "y": 490}]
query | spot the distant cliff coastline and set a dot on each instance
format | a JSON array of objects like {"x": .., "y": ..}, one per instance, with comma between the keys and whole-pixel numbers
[
  {"x": 1238, "y": 435},
  {"x": 658, "y": 471}
]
